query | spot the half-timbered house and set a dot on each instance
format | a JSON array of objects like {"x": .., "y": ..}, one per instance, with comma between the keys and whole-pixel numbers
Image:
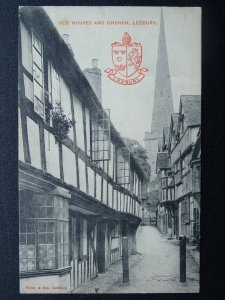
[
  {"x": 178, "y": 171},
  {"x": 80, "y": 188}
]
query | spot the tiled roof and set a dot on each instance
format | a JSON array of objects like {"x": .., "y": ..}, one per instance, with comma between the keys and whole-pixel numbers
[
  {"x": 192, "y": 109},
  {"x": 162, "y": 160}
]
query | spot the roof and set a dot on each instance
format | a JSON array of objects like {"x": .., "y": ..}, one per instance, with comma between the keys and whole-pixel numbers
[
  {"x": 162, "y": 160},
  {"x": 66, "y": 64},
  {"x": 191, "y": 107}
]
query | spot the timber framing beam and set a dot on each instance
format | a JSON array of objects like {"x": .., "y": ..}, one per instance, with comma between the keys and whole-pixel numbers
[{"x": 46, "y": 182}]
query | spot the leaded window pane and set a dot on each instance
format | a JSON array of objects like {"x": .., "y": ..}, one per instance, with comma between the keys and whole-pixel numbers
[
  {"x": 31, "y": 251},
  {"x": 23, "y": 264},
  {"x": 101, "y": 136},
  {"x": 30, "y": 239},
  {"x": 123, "y": 166},
  {"x": 22, "y": 239},
  {"x": 50, "y": 263},
  {"x": 42, "y": 238},
  {"x": 31, "y": 224},
  {"x": 50, "y": 212},
  {"x": 37, "y": 237},
  {"x": 23, "y": 252}
]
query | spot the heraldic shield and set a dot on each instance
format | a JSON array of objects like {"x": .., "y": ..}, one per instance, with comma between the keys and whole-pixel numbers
[{"x": 127, "y": 59}]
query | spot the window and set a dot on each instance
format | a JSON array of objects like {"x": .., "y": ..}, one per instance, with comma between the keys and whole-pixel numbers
[
  {"x": 37, "y": 51},
  {"x": 43, "y": 232},
  {"x": 123, "y": 166},
  {"x": 164, "y": 182},
  {"x": 164, "y": 195},
  {"x": 171, "y": 194},
  {"x": 100, "y": 136}
]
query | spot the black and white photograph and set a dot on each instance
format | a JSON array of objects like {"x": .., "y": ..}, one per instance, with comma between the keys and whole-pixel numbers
[{"x": 109, "y": 149}]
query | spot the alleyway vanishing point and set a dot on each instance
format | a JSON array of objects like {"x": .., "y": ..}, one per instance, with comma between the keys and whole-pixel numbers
[{"x": 154, "y": 269}]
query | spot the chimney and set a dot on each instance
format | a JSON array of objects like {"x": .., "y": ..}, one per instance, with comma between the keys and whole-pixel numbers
[
  {"x": 93, "y": 76},
  {"x": 66, "y": 39},
  {"x": 94, "y": 63}
]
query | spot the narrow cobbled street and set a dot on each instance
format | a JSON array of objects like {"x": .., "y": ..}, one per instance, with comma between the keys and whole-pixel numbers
[{"x": 154, "y": 269}]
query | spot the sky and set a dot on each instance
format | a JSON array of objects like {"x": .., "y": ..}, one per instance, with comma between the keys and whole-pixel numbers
[{"x": 131, "y": 106}]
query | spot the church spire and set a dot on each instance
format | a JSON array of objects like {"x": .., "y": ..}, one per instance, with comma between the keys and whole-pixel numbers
[{"x": 163, "y": 102}]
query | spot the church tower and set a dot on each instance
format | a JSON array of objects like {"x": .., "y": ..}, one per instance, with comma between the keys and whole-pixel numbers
[{"x": 163, "y": 102}]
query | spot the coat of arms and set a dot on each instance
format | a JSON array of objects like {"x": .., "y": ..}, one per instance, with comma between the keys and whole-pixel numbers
[{"x": 127, "y": 58}]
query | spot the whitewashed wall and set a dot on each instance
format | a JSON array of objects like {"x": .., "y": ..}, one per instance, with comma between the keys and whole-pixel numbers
[
  {"x": 66, "y": 103},
  {"x": 69, "y": 166},
  {"x": 104, "y": 191},
  {"x": 52, "y": 154},
  {"x": 119, "y": 201},
  {"x": 110, "y": 195},
  {"x": 98, "y": 187},
  {"x": 82, "y": 175},
  {"x": 84, "y": 237},
  {"x": 79, "y": 123},
  {"x": 26, "y": 48},
  {"x": 34, "y": 143},
  {"x": 28, "y": 87},
  {"x": 91, "y": 182}
]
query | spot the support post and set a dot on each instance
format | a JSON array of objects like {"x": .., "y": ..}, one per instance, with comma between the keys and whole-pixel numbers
[
  {"x": 125, "y": 259},
  {"x": 134, "y": 243},
  {"x": 182, "y": 258}
]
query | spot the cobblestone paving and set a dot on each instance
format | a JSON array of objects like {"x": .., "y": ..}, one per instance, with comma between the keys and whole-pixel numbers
[{"x": 154, "y": 270}]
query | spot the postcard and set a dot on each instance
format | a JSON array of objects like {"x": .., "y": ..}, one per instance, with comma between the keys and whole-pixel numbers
[{"x": 109, "y": 131}]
